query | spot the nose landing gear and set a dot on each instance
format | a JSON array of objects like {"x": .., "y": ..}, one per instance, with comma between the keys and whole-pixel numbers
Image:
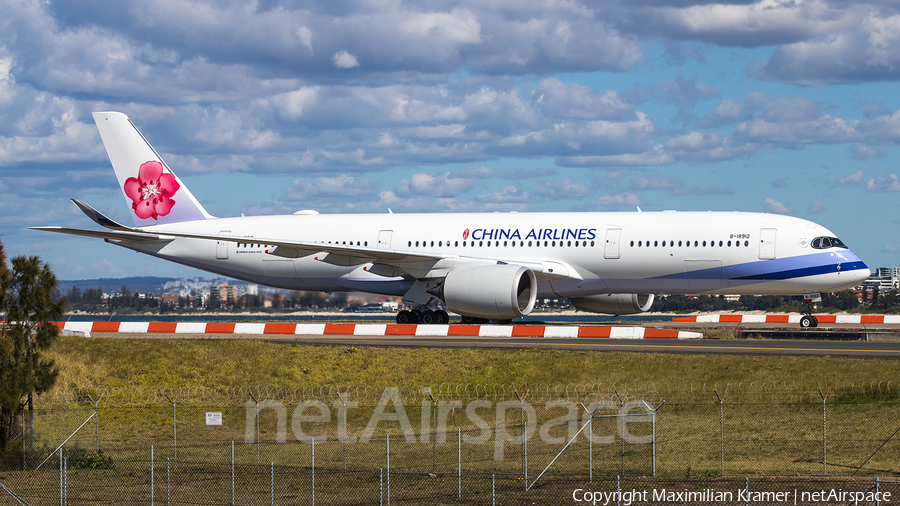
[{"x": 808, "y": 320}]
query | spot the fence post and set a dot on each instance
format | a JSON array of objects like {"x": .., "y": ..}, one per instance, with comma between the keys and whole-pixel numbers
[
  {"x": 61, "y": 503},
  {"x": 272, "y": 486},
  {"x": 619, "y": 489},
  {"x": 525, "y": 462},
  {"x": 591, "y": 449},
  {"x": 313, "y": 471},
  {"x": 232, "y": 473},
  {"x": 388, "y": 451},
  {"x": 151, "y": 475},
  {"x": 747, "y": 482},
  {"x": 381, "y": 487},
  {"x": 97, "y": 426},
  {"x": 622, "y": 452},
  {"x": 174, "y": 430},
  {"x": 878, "y": 491},
  {"x": 459, "y": 463},
  {"x": 175, "y": 434},
  {"x": 721, "y": 430},
  {"x": 493, "y": 490},
  {"x": 824, "y": 433}
]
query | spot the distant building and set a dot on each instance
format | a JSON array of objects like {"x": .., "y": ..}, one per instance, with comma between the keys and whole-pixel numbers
[
  {"x": 886, "y": 279},
  {"x": 224, "y": 293}
]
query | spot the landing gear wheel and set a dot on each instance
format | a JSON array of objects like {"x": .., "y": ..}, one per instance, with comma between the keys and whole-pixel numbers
[
  {"x": 404, "y": 317},
  {"x": 472, "y": 320},
  {"x": 808, "y": 321},
  {"x": 428, "y": 317},
  {"x": 443, "y": 317}
]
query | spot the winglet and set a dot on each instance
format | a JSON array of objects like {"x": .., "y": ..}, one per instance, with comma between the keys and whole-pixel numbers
[{"x": 98, "y": 217}]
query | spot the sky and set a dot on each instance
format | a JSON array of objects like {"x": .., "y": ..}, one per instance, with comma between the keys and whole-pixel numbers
[{"x": 269, "y": 107}]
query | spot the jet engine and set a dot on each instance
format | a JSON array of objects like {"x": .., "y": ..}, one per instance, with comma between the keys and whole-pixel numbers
[
  {"x": 614, "y": 303},
  {"x": 491, "y": 291}
]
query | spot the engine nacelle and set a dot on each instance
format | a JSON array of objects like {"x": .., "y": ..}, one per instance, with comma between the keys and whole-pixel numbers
[
  {"x": 491, "y": 291},
  {"x": 614, "y": 303}
]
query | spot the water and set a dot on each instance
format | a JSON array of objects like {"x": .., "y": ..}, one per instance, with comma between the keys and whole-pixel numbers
[{"x": 348, "y": 317}]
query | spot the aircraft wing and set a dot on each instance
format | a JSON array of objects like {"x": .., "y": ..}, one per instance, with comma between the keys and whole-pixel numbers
[
  {"x": 129, "y": 235},
  {"x": 340, "y": 254},
  {"x": 336, "y": 254}
]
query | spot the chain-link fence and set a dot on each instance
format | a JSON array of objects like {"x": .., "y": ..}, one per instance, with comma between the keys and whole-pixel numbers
[{"x": 476, "y": 445}]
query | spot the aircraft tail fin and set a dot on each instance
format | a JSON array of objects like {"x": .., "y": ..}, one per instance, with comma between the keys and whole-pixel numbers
[{"x": 152, "y": 191}]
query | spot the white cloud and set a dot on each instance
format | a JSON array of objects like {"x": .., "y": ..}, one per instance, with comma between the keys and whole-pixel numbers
[
  {"x": 291, "y": 105},
  {"x": 616, "y": 201},
  {"x": 344, "y": 60},
  {"x": 442, "y": 185},
  {"x": 851, "y": 180},
  {"x": 817, "y": 207},
  {"x": 883, "y": 184},
  {"x": 773, "y": 206}
]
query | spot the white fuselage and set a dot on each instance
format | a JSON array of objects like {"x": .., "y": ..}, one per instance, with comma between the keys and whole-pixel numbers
[{"x": 649, "y": 252}]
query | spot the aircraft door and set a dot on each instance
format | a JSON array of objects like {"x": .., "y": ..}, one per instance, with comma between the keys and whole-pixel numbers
[
  {"x": 613, "y": 236},
  {"x": 222, "y": 246},
  {"x": 767, "y": 243},
  {"x": 384, "y": 238}
]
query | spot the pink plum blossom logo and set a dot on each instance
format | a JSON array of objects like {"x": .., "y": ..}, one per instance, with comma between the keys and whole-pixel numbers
[{"x": 150, "y": 192}]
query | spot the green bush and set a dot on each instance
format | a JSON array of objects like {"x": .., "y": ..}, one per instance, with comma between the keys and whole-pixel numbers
[{"x": 79, "y": 458}]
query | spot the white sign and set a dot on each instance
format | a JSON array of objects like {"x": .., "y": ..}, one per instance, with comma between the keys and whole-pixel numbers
[
  {"x": 213, "y": 418},
  {"x": 809, "y": 298}
]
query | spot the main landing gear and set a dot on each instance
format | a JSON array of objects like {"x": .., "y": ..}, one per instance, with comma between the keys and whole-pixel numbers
[{"x": 427, "y": 317}]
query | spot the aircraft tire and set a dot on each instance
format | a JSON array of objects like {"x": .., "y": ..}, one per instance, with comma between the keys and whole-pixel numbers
[
  {"x": 443, "y": 317},
  {"x": 428, "y": 318},
  {"x": 404, "y": 317},
  {"x": 808, "y": 321}
]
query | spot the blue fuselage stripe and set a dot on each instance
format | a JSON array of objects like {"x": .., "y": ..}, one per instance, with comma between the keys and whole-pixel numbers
[{"x": 806, "y": 271}]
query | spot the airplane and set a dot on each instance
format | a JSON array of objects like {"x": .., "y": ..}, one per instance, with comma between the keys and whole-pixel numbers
[{"x": 486, "y": 267}]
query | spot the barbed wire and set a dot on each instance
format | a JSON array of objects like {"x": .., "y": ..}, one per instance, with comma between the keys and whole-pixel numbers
[{"x": 763, "y": 391}]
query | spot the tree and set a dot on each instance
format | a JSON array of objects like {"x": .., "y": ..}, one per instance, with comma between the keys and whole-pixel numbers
[{"x": 28, "y": 289}]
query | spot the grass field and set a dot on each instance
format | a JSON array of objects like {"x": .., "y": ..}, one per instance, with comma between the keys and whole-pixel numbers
[
  {"x": 771, "y": 422},
  {"x": 142, "y": 363}
]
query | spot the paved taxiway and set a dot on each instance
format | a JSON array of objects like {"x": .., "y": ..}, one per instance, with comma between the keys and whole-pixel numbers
[{"x": 855, "y": 349}]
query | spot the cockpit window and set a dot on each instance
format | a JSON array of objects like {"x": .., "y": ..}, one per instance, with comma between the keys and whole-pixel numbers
[{"x": 827, "y": 242}]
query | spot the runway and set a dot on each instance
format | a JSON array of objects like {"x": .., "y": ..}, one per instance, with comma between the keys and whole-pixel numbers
[{"x": 851, "y": 349}]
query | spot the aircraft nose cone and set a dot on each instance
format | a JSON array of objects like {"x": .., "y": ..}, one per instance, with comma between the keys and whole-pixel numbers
[{"x": 861, "y": 271}]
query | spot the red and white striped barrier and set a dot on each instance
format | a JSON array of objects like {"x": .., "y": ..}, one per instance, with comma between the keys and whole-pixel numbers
[
  {"x": 358, "y": 329},
  {"x": 785, "y": 318}
]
